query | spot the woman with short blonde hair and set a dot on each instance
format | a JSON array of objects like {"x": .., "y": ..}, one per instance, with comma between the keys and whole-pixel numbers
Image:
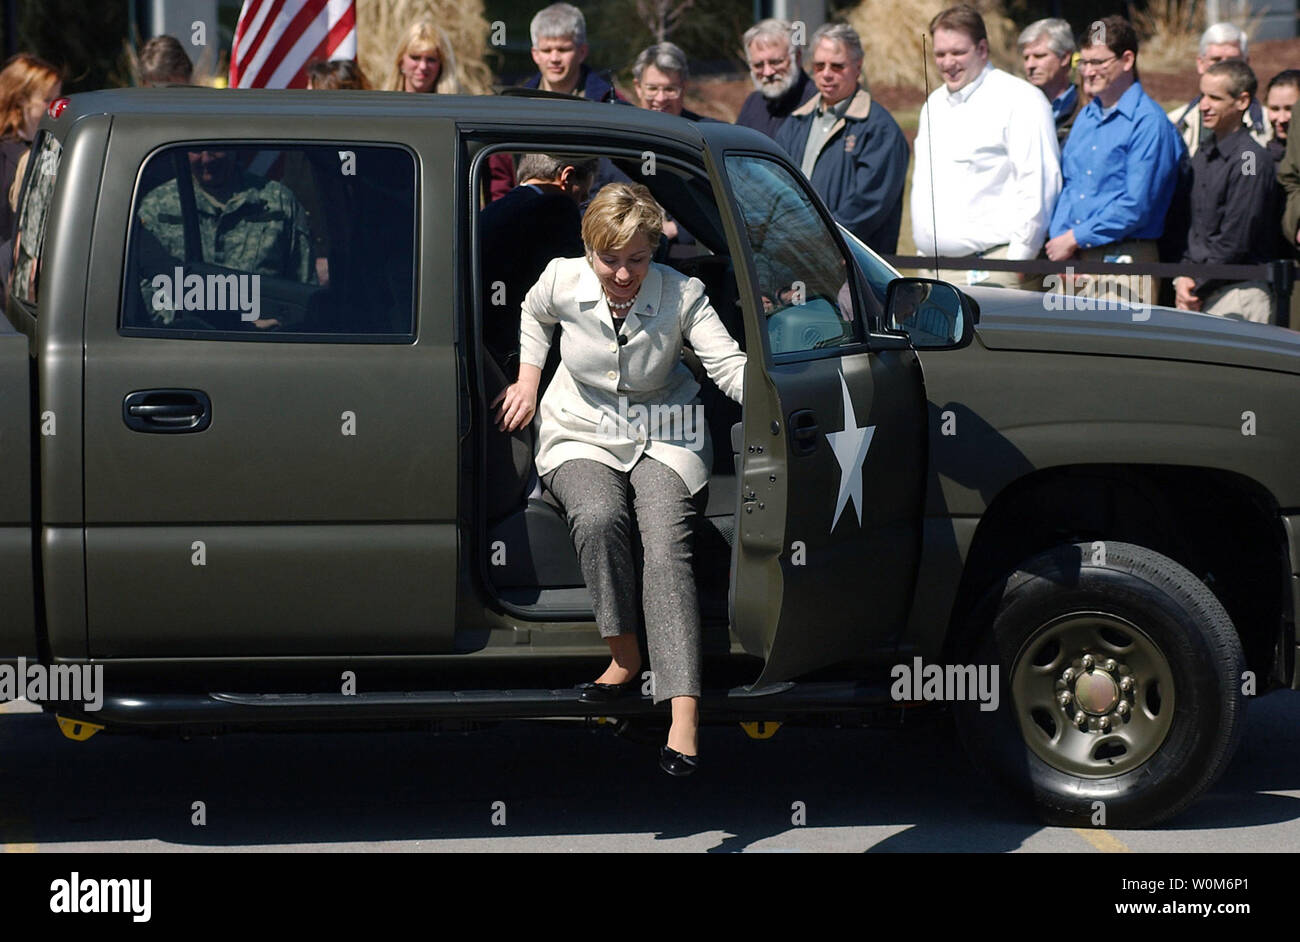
[
  {"x": 625, "y": 318},
  {"x": 424, "y": 61},
  {"x": 618, "y": 214}
]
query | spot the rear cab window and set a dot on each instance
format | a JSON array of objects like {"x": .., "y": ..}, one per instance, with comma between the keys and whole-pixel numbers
[
  {"x": 33, "y": 216},
  {"x": 242, "y": 241}
]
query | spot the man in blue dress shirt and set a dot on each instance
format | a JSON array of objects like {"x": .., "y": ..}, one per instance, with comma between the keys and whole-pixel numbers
[{"x": 1120, "y": 167}]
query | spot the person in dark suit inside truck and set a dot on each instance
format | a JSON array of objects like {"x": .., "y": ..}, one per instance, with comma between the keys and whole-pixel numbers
[{"x": 520, "y": 233}]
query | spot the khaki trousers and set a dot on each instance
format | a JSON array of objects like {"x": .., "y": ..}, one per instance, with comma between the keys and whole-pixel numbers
[
  {"x": 1003, "y": 279},
  {"x": 1142, "y": 289},
  {"x": 1247, "y": 300}
]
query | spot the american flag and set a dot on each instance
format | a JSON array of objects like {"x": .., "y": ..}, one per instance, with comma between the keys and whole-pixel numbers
[{"x": 275, "y": 39}]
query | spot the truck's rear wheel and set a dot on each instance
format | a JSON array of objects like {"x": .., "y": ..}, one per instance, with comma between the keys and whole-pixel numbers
[{"x": 1121, "y": 679}]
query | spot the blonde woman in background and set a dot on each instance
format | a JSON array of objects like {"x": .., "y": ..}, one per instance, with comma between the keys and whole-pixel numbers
[{"x": 424, "y": 62}]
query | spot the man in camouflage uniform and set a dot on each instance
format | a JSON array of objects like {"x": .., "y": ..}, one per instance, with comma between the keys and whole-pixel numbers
[{"x": 246, "y": 223}]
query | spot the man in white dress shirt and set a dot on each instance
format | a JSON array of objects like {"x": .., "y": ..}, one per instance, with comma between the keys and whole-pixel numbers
[{"x": 987, "y": 168}]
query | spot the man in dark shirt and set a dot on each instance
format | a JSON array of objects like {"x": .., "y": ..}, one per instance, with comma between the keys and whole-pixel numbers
[
  {"x": 1231, "y": 202},
  {"x": 559, "y": 35},
  {"x": 781, "y": 84},
  {"x": 520, "y": 234}
]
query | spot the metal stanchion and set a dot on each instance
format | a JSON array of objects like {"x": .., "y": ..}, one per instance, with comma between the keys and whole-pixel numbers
[{"x": 1281, "y": 272}]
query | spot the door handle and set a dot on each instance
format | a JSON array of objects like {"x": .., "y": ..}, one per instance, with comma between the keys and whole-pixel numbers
[
  {"x": 167, "y": 410},
  {"x": 803, "y": 432}
]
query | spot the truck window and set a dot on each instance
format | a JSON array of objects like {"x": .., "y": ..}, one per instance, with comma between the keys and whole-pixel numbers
[
  {"x": 242, "y": 242},
  {"x": 33, "y": 213},
  {"x": 804, "y": 281}
]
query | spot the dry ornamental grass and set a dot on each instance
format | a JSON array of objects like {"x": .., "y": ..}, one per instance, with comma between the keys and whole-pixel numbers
[
  {"x": 892, "y": 30},
  {"x": 1170, "y": 30}
]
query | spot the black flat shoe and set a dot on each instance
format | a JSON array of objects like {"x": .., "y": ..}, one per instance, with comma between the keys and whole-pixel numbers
[
  {"x": 595, "y": 692},
  {"x": 676, "y": 763}
]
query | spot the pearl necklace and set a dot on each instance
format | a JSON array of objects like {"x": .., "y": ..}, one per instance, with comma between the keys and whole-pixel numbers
[{"x": 619, "y": 305}]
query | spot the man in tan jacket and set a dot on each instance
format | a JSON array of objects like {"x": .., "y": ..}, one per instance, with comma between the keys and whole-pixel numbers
[{"x": 1219, "y": 42}]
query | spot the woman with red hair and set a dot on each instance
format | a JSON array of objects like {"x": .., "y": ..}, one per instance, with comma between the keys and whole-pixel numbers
[{"x": 27, "y": 86}]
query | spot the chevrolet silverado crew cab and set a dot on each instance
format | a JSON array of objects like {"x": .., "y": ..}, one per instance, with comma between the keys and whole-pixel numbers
[{"x": 252, "y": 473}]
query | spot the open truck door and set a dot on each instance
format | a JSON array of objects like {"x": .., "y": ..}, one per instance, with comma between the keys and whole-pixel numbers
[{"x": 833, "y": 454}]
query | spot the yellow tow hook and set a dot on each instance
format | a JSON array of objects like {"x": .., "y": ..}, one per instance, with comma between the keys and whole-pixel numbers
[
  {"x": 762, "y": 729},
  {"x": 77, "y": 730}
]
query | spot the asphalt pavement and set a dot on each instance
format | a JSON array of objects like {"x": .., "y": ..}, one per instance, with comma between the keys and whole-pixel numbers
[{"x": 531, "y": 787}]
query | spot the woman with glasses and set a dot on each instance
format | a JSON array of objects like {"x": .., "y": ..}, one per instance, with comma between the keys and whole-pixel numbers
[{"x": 659, "y": 77}]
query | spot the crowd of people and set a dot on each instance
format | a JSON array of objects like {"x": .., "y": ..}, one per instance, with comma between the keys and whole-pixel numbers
[
  {"x": 1042, "y": 167},
  {"x": 1004, "y": 167}
]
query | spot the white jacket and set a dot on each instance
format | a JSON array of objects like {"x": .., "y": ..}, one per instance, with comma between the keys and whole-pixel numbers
[{"x": 590, "y": 409}]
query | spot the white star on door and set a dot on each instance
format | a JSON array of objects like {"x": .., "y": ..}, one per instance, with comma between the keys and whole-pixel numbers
[{"x": 850, "y": 448}]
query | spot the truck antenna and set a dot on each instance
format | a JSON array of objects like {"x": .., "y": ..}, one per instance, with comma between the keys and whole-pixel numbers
[{"x": 929, "y": 146}]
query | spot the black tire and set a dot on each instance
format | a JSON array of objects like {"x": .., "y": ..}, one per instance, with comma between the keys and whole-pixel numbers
[{"x": 1146, "y": 761}]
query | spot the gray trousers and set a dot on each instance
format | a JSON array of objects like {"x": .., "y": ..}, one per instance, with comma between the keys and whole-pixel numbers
[{"x": 599, "y": 503}]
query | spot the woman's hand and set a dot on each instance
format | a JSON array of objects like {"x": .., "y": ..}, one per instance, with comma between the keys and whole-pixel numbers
[{"x": 518, "y": 400}]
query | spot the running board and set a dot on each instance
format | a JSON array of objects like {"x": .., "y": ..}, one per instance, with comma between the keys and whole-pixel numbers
[{"x": 253, "y": 709}]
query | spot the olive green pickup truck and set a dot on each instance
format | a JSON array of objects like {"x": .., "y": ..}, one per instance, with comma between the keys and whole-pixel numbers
[{"x": 252, "y": 477}]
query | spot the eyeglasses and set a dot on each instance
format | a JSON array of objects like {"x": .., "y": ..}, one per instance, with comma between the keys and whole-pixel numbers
[
  {"x": 667, "y": 91},
  {"x": 1095, "y": 63}
]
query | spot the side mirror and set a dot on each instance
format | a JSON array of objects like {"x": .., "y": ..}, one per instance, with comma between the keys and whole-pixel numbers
[{"x": 934, "y": 314}]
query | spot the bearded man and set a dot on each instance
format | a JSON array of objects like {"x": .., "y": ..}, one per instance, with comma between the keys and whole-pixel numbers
[{"x": 780, "y": 84}]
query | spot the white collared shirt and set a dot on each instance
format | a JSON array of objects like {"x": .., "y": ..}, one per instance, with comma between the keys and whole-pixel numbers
[
  {"x": 962, "y": 95},
  {"x": 997, "y": 168}
]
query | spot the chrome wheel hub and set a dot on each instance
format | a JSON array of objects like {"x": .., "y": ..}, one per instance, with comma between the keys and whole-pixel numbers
[
  {"x": 1096, "y": 688},
  {"x": 1093, "y": 694}
]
